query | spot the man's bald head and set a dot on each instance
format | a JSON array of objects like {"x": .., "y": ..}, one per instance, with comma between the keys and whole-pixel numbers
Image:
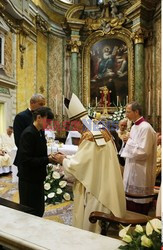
[
  {"x": 123, "y": 124},
  {"x": 37, "y": 101}
]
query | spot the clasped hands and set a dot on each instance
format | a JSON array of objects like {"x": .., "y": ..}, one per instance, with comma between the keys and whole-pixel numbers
[
  {"x": 125, "y": 138},
  {"x": 56, "y": 158}
]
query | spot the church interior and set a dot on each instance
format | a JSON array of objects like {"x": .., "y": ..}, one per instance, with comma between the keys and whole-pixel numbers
[{"x": 106, "y": 52}]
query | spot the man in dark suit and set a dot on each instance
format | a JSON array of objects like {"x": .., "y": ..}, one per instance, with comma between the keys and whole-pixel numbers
[
  {"x": 24, "y": 119},
  {"x": 33, "y": 158}
]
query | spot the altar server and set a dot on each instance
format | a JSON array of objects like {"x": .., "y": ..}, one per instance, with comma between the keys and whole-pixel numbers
[{"x": 140, "y": 165}]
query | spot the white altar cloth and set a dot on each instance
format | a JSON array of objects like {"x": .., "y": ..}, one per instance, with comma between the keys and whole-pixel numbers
[
  {"x": 19, "y": 230},
  {"x": 65, "y": 149}
]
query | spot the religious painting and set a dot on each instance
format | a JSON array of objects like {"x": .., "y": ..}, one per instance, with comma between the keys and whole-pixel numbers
[{"x": 109, "y": 73}]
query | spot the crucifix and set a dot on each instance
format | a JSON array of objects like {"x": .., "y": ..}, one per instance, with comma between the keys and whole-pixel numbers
[{"x": 105, "y": 99}]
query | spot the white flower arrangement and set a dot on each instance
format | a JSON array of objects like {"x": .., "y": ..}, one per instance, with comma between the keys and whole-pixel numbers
[
  {"x": 140, "y": 238},
  {"x": 55, "y": 187},
  {"x": 119, "y": 114}
]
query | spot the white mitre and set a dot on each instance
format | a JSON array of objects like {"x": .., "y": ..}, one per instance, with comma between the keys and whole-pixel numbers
[{"x": 75, "y": 110}]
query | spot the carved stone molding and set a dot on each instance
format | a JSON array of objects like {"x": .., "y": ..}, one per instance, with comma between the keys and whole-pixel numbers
[
  {"x": 42, "y": 25},
  {"x": 75, "y": 12},
  {"x": 14, "y": 27}
]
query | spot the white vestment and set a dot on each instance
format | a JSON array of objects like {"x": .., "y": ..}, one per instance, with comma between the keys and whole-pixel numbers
[
  {"x": 98, "y": 183},
  {"x": 5, "y": 160},
  {"x": 7, "y": 142},
  {"x": 122, "y": 134},
  {"x": 140, "y": 165}
]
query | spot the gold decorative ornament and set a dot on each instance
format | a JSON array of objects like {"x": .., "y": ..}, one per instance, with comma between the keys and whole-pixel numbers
[
  {"x": 75, "y": 44},
  {"x": 41, "y": 89},
  {"x": 99, "y": 23},
  {"x": 108, "y": 26},
  {"x": 139, "y": 36}
]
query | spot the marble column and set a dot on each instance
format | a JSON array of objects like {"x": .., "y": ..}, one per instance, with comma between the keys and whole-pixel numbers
[
  {"x": 139, "y": 74},
  {"x": 75, "y": 43},
  {"x": 74, "y": 73},
  {"x": 79, "y": 75}
]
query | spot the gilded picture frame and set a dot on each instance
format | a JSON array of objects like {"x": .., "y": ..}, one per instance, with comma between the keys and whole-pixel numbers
[{"x": 98, "y": 73}]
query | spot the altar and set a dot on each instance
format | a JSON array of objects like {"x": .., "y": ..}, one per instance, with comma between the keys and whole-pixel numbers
[{"x": 24, "y": 231}]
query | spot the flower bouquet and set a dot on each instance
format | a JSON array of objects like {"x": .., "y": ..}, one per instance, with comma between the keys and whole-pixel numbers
[
  {"x": 55, "y": 187},
  {"x": 119, "y": 114},
  {"x": 140, "y": 238}
]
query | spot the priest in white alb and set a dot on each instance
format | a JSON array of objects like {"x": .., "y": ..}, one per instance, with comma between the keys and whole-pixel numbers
[
  {"x": 7, "y": 140},
  {"x": 98, "y": 184},
  {"x": 140, "y": 165}
]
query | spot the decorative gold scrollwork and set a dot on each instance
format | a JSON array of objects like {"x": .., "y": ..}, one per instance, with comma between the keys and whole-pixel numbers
[{"x": 107, "y": 25}]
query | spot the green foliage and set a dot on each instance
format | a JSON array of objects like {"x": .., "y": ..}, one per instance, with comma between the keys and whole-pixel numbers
[{"x": 91, "y": 111}]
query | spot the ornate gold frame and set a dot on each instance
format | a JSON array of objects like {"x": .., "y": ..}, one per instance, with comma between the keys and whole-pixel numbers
[{"x": 122, "y": 34}]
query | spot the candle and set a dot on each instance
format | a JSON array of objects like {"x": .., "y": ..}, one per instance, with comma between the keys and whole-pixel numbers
[
  {"x": 87, "y": 101},
  {"x": 117, "y": 100},
  {"x": 127, "y": 99},
  {"x": 149, "y": 102},
  {"x": 89, "y": 105},
  {"x": 96, "y": 101},
  {"x": 56, "y": 105},
  {"x": 158, "y": 103},
  {"x": 63, "y": 105}
]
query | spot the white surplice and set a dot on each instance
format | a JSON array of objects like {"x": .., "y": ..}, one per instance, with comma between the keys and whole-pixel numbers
[
  {"x": 5, "y": 160},
  {"x": 98, "y": 183},
  {"x": 140, "y": 165},
  {"x": 7, "y": 142}
]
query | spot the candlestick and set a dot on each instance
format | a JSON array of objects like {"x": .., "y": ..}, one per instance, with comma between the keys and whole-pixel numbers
[
  {"x": 127, "y": 99},
  {"x": 96, "y": 101},
  {"x": 56, "y": 105},
  {"x": 158, "y": 103},
  {"x": 63, "y": 108},
  {"x": 149, "y": 103},
  {"x": 117, "y": 100}
]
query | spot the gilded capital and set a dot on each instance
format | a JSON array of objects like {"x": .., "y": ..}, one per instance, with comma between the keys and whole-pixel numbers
[
  {"x": 75, "y": 44},
  {"x": 138, "y": 36}
]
